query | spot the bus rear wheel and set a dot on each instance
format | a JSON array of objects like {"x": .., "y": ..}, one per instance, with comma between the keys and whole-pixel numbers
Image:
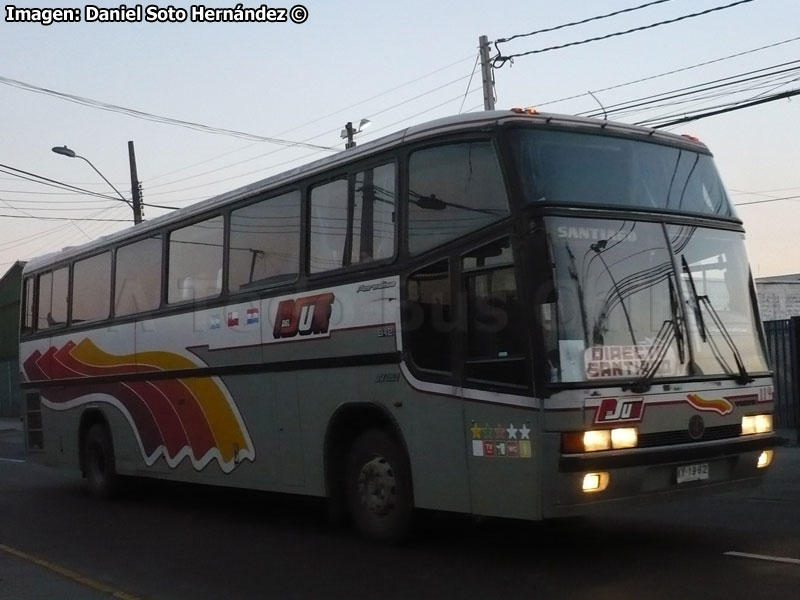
[
  {"x": 379, "y": 492},
  {"x": 99, "y": 467}
]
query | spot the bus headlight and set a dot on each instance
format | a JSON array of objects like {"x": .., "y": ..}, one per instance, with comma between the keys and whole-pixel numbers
[
  {"x": 756, "y": 424},
  {"x": 765, "y": 459},
  {"x": 624, "y": 437},
  {"x": 595, "y": 440}
]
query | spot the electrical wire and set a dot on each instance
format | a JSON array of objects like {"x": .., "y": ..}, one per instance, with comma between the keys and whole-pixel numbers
[
  {"x": 673, "y": 72},
  {"x": 501, "y": 60},
  {"x": 767, "y": 200},
  {"x": 153, "y": 117},
  {"x": 574, "y": 23},
  {"x": 721, "y": 110}
]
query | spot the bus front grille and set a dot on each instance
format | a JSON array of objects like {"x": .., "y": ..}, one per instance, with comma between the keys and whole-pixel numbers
[{"x": 673, "y": 438}]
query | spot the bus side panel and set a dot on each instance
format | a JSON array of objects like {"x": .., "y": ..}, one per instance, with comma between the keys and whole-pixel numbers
[{"x": 503, "y": 444}]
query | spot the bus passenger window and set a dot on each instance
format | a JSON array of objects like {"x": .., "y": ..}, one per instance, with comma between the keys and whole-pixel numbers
[
  {"x": 428, "y": 317},
  {"x": 91, "y": 288},
  {"x": 329, "y": 219},
  {"x": 372, "y": 230},
  {"x": 453, "y": 190},
  {"x": 265, "y": 242},
  {"x": 195, "y": 256},
  {"x": 138, "y": 277}
]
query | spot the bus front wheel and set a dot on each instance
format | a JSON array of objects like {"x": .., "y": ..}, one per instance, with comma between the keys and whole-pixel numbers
[
  {"x": 379, "y": 490},
  {"x": 101, "y": 474}
]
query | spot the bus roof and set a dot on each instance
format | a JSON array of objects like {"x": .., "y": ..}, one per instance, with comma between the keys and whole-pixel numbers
[{"x": 453, "y": 124}]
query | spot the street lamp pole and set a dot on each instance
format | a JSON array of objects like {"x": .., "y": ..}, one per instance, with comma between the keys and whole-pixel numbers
[{"x": 136, "y": 205}]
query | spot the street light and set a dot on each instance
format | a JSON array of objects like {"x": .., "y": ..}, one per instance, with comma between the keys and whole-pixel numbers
[
  {"x": 348, "y": 132},
  {"x": 135, "y": 205}
]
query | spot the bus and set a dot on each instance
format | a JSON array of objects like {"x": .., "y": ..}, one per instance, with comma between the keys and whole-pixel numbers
[{"x": 508, "y": 314}]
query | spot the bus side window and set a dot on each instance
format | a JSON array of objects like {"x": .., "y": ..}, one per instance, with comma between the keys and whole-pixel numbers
[
  {"x": 27, "y": 317},
  {"x": 264, "y": 242},
  {"x": 428, "y": 317},
  {"x": 195, "y": 255},
  {"x": 496, "y": 341}
]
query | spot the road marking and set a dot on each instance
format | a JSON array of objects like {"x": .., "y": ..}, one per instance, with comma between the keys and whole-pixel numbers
[
  {"x": 69, "y": 574},
  {"x": 780, "y": 559},
  {"x": 12, "y": 460}
]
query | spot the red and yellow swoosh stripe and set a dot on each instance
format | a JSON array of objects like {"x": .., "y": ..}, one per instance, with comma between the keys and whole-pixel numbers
[
  {"x": 718, "y": 405},
  {"x": 174, "y": 418}
]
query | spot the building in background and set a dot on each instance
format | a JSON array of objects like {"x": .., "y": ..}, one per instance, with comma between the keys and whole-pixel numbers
[
  {"x": 9, "y": 341},
  {"x": 779, "y": 297}
]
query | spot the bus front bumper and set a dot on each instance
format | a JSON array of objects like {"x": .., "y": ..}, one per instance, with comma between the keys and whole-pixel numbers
[{"x": 640, "y": 477}]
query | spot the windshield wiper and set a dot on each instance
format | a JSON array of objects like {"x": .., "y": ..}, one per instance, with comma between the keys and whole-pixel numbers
[
  {"x": 669, "y": 331},
  {"x": 699, "y": 301}
]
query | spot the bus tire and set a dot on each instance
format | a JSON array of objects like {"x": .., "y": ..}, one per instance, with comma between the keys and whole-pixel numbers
[
  {"x": 379, "y": 491},
  {"x": 99, "y": 466}
]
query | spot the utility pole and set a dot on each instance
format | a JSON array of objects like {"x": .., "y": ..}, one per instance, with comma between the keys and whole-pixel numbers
[
  {"x": 136, "y": 192},
  {"x": 486, "y": 74}
]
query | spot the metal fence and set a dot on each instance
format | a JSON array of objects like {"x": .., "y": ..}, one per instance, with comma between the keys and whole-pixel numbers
[{"x": 783, "y": 339}]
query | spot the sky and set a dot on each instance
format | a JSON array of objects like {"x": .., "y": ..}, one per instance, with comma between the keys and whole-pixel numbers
[{"x": 397, "y": 64}]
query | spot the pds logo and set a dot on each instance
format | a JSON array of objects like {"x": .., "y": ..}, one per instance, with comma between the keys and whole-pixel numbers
[
  {"x": 306, "y": 316},
  {"x": 612, "y": 410}
]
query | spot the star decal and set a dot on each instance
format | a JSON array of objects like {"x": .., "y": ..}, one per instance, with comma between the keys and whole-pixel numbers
[
  {"x": 525, "y": 432},
  {"x": 500, "y": 432},
  {"x": 512, "y": 432},
  {"x": 476, "y": 431}
]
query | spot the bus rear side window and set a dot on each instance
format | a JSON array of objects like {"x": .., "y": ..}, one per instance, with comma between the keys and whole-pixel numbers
[
  {"x": 195, "y": 261},
  {"x": 27, "y": 317},
  {"x": 53, "y": 290}
]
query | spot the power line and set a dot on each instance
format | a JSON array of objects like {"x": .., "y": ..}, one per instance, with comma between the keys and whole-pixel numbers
[
  {"x": 721, "y": 110},
  {"x": 40, "y": 179},
  {"x": 137, "y": 114},
  {"x": 582, "y": 22},
  {"x": 65, "y": 218},
  {"x": 371, "y": 116},
  {"x": 673, "y": 72},
  {"x": 767, "y": 200},
  {"x": 341, "y": 110},
  {"x": 501, "y": 60},
  {"x": 653, "y": 100}
]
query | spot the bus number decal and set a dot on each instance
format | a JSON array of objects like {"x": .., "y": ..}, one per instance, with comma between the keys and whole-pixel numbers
[
  {"x": 612, "y": 410},
  {"x": 306, "y": 316}
]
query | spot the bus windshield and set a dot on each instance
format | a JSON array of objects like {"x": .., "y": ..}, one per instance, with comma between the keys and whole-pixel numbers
[
  {"x": 622, "y": 311},
  {"x": 590, "y": 169}
]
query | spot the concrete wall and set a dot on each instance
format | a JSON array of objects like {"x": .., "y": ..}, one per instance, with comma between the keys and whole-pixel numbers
[{"x": 778, "y": 300}]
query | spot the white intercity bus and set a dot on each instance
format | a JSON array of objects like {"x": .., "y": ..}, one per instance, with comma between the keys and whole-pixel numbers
[{"x": 504, "y": 314}]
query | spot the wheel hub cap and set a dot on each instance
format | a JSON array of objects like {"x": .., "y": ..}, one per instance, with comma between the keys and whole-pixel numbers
[{"x": 377, "y": 486}]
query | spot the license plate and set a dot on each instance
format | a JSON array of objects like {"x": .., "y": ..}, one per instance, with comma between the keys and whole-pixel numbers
[{"x": 696, "y": 472}]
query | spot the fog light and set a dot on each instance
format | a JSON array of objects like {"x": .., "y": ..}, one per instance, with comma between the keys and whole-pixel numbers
[
  {"x": 595, "y": 482},
  {"x": 765, "y": 459}
]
